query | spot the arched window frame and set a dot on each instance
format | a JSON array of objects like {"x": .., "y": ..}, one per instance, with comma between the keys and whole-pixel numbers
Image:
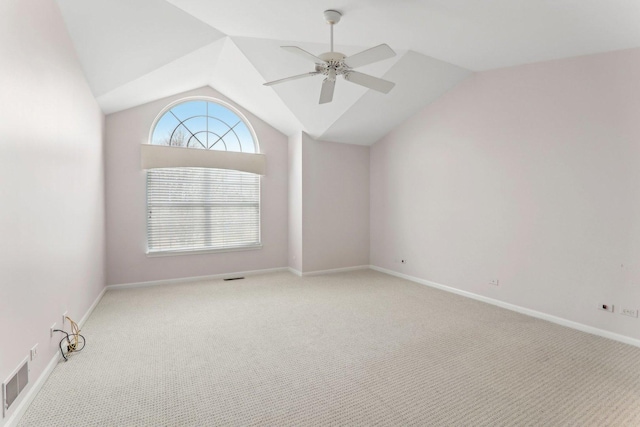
[
  {"x": 217, "y": 168},
  {"x": 220, "y": 102}
]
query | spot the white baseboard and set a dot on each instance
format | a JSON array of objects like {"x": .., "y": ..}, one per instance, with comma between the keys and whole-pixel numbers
[
  {"x": 93, "y": 306},
  {"x": 194, "y": 279},
  {"x": 294, "y": 271},
  {"x": 228, "y": 275},
  {"x": 22, "y": 407},
  {"x": 333, "y": 270},
  {"x": 529, "y": 312}
]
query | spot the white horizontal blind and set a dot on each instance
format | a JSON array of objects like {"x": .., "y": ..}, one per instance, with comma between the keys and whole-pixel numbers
[{"x": 193, "y": 209}]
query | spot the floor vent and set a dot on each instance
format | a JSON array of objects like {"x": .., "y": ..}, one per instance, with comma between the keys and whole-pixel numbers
[
  {"x": 233, "y": 278},
  {"x": 12, "y": 387}
]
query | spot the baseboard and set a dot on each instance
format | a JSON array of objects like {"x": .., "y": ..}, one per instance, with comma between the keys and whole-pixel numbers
[
  {"x": 22, "y": 407},
  {"x": 194, "y": 278},
  {"x": 333, "y": 270},
  {"x": 529, "y": 312},
  {"x": 227, "y": 275},
  {"x": 294, "y": 271},
  {"x": 321, "y": 272},
  {"x": 93, "y": 306}
]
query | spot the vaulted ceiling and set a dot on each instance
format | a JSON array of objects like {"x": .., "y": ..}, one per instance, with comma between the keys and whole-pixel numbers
[{"x": 138, "y": 51}]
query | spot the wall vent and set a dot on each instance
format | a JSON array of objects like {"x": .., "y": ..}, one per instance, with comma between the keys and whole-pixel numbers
[{"x": 13, "y": 386}]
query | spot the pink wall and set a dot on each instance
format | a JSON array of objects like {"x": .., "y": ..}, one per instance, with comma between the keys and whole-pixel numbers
[
  {"x": 335, "y": 205},
  {"x": 528, "y": 175},
  {"x": 127, "y": 261},
  {"x": 51, "y": 184}
]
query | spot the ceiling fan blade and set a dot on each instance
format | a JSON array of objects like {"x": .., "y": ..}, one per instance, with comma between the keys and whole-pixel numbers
[
  {"x": 368, "y": 81},
  {"x": 303, "y": 53},
  {"x": 370, "y": 56},
  {"x": 286, "y": 79},
  {"x": 326, "y": 94}
]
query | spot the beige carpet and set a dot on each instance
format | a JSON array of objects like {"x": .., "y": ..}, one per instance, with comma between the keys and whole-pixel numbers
[{"x": 359, "y": 348}]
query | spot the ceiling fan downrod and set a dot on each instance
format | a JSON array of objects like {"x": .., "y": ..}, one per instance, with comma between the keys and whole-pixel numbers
[{"x": 332, "y": 17}]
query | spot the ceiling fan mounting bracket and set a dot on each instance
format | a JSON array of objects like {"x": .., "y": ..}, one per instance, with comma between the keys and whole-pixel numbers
[{"x": 332, "y": 16}]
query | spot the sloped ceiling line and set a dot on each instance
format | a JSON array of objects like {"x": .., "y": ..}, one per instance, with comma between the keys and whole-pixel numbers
[
  {"x": 133, "y": 52},
  {"x": 137, "y": 52}
]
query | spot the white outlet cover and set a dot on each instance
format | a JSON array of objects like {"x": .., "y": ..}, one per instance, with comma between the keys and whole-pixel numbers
[{"x": 34, "y": 352}]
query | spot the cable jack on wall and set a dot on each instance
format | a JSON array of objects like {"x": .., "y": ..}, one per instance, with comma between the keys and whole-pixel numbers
[{"x": 72, "y": 342}]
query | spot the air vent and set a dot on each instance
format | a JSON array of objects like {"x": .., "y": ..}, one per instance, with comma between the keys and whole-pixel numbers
[{"x": 12, "y": 387}]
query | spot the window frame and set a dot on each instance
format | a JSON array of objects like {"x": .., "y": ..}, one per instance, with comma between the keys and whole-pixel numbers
[
  {"x": 180, "y": 252},
  {"x": 207, "y": 99}
]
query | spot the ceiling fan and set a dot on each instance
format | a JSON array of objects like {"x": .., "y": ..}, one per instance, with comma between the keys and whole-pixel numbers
[{"x": 332, "y": 64}]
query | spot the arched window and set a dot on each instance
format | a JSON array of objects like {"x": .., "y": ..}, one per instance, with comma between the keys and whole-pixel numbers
[
  {"x": 211, "y": 207},
  {"x": 204, "y": 124}
]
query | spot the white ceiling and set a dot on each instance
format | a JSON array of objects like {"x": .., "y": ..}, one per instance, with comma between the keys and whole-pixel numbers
[{"x": 134, "y": 52}]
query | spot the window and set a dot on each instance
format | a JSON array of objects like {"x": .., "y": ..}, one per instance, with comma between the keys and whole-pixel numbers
[{"x": 192, "y": 209}]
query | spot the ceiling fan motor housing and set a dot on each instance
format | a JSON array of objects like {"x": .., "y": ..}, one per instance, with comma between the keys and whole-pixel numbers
[
  {"x": 334, "y": 65},
  {"x": 332, "y": 57}
]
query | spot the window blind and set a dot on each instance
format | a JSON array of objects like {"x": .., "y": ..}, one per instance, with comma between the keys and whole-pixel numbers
[{"x": 199, "y": 209}]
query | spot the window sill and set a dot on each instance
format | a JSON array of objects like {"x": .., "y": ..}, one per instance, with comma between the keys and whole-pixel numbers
[{"x": 201, "y": 251}]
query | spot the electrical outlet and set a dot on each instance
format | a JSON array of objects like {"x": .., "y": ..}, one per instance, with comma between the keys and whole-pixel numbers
[
  {"x": 494, "y": 282},
  {"x": 51, "y": 329},
  {"x": 629, "y": 312},
  {"x": 34, "y": 352},
  {"x": 606, "y": 307},
  {"x": 64, "y": 318}
]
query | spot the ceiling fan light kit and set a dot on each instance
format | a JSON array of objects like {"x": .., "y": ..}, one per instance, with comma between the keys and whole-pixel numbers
[{"x": 332, "y": 64}]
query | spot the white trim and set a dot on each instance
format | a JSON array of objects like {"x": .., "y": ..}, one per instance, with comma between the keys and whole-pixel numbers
[
  {"x": 529, "y": 312},
  {"x": 321, "y": 272},
  {"x": 164, "y": 156},
  {"x": 5, "y": 410},
  {"x": 294, "y": 271},
  {"x": 193, "y": 279},
  {"x": 22, "y": 407},
  {"x": 93, "y": 306},
  {"x": 162, "y": 253},
  {"x": 333, "y": 270}
]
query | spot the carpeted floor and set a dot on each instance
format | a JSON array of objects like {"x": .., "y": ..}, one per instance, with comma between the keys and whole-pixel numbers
[{"x": 358, "y": 348}]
